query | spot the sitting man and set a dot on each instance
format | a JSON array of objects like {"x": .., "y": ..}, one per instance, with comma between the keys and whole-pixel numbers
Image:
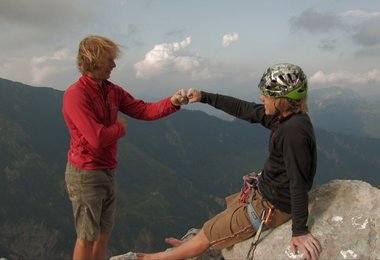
[{"x": 280, "y": 192}]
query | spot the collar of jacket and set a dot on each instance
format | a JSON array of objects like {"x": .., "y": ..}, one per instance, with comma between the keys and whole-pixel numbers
[{"x": 87, "y": 81}]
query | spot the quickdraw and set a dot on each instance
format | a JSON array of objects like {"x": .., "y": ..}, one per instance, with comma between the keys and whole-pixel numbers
[
  {"x": 256, "y": 238},
  {"x": 265, "y": 218},
  {"x": 250, "y": 186}
]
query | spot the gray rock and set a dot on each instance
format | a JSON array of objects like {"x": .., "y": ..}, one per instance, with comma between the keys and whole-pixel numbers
[
  {"x": 344, "y": 217},
  {"x": 127, "y": 256}
]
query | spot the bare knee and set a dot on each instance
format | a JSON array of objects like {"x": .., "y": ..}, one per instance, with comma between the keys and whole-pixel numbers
[
  {"x": 83, "y": 249},
  {"x": 84, "y": 243},
  {"x": 103, "y": 237}
]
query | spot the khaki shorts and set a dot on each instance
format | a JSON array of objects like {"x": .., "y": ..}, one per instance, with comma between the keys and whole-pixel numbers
[
  {"x": 92, "y": 194},
  {"x": 233, "y": 225}
]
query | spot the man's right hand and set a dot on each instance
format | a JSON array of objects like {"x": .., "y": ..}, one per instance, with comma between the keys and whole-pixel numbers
[{"x": 194, "y": 95}]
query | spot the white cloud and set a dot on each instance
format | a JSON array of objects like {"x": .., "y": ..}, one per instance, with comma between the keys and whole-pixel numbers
[
  {"x": 12, "y": 67},
  {"x": 185, "y": 63},
  {"x": 46, "y": 66},
  {"x": 206, "y": 73},
  {"x": 229, "y": 38},
  {"x": 346, "y": 77},
  {"x": 360, "y": 13},
  {"x": 165, "y": 57}
]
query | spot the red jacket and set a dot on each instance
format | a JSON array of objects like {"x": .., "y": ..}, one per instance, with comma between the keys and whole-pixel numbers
[{"x": 90, "y": 116}]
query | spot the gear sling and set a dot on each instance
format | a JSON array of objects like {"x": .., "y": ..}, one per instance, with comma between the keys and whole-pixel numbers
[{"x": 248, "y": 193}]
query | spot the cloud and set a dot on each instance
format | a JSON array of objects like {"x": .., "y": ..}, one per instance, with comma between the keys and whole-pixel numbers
[
  {"x": 123, "y": 2},
  {"x": 364, "y": 32},
  {"x": 46, "y": 66},
  {"x": 328, "y": 44},
  {"x": 166, "y": 57},
  {"x": 57, "y": 69},
  {"x": 360, "y": 13},
  {"x": 315, "y": 22},
  {"x": 367, "y": 33},
  {"x": 372, "y": 52},
  {"x": 40, "y": 12},
  {"x": 33, "y": 23},
  {"x": 345, "y": 77},
  {"x": 11, "y": 68},
  {"x": 229, "y": 38}
]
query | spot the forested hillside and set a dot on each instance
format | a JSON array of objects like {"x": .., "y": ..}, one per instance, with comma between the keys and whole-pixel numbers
[{"x": 173, "y": 173}]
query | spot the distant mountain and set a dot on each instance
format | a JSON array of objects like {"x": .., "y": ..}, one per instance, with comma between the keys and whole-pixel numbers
[
  {"x": 173, "y": 173},
  {"x": 343, "y": 110}
]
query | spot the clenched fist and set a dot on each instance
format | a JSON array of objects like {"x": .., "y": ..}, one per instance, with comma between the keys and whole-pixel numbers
[{"x": 179, "y": 98}]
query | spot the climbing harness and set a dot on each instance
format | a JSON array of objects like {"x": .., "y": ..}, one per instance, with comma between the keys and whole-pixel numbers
[{"x": 250, "y": 186}]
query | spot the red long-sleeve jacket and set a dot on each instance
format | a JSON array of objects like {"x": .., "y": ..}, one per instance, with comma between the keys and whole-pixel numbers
[{"x": 90, "y": 114}]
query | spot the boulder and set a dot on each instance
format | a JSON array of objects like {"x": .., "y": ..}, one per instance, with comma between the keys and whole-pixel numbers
[{"x": 344, "y": 217}]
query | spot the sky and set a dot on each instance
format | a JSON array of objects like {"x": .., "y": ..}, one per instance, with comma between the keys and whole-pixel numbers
[{"x": 221, "y": 46}]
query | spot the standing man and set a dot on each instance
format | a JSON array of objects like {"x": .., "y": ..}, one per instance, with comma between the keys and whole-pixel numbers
[
  {"x": 281, "y": 190},
  {"x": 90, "y": 109}
]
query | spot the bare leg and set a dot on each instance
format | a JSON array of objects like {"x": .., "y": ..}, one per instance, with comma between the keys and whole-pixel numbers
[
  {"x": 83, "y": 249},
  {"x": 100, "y": 246},
  {"x": 173, "y": 241},
  {"x": 193, "y": 247}
]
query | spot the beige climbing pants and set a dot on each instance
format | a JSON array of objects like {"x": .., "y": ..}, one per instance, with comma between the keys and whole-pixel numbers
[{"x": 233, "y": 225}]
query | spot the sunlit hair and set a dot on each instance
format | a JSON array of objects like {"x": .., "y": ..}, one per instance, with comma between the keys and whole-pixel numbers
[
  {"x": 291, "y": 105},
  {"x": 93, "y": 49}
]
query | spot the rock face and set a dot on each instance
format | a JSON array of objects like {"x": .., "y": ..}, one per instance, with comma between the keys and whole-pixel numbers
[{"x": 344, "y": 217}]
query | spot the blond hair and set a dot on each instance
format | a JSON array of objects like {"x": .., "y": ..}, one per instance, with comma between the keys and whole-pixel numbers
[
  {"x": 291, "y": 105},
  {"x": 93, "y": 49}
]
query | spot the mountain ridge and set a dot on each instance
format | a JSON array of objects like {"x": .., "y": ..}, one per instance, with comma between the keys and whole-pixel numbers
[{"x": 173, "y": 173}]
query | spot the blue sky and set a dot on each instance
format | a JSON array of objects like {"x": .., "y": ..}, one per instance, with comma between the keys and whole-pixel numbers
[{"x": 215, "y": 45}]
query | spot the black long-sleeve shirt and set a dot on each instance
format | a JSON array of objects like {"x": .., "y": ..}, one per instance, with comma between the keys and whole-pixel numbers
[{"x": 288, "y": 173}]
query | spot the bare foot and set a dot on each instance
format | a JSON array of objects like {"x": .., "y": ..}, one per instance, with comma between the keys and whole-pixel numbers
[{"x": 173, "y": 241}]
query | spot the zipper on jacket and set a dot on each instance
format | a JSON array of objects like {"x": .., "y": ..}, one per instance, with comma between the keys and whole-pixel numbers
[{"x": 107, "y": 107}]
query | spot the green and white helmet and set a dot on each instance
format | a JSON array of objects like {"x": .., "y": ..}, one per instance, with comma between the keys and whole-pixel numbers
[{"x": 284, "y": 80}]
